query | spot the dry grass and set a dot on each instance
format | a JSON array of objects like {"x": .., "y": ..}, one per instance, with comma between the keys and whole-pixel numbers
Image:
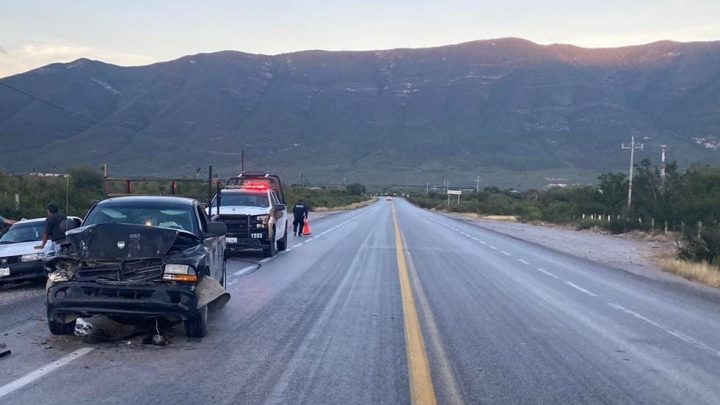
[
  {"x": 506, "y": 218},
  {"x": 705, "y": 273}
]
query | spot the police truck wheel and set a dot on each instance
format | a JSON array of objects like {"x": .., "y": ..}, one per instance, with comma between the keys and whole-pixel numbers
[
  {"x": 196, "y": 324},
  {"x": 270, "y": 250},
  {"x": 282, "y": 243}
]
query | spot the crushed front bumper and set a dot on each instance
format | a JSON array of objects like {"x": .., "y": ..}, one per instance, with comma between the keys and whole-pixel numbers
[
  {"x": 23, "y": 272},
  {"x": 88, "y": 298}
]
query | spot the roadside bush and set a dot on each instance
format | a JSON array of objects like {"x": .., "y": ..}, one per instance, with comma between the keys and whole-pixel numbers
[{"x": 703, "y": 246}]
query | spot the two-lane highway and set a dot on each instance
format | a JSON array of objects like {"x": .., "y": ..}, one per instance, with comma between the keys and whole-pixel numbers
[{"x": 394, "y": 304}]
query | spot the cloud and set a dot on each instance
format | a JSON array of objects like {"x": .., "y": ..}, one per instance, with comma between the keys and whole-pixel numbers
[{"x": 36, "y": 54}]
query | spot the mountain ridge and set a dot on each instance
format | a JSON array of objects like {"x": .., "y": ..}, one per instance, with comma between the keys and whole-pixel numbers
[{"x": 510, "y": 110}]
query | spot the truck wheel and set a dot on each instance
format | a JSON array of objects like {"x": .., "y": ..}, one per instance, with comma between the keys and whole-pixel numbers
[
  {"x": 59, "y": 328},
  {"x": 270, "y": 250},
  {"x": 282, "y": 243},
  {"x": 196, "y": 324}
]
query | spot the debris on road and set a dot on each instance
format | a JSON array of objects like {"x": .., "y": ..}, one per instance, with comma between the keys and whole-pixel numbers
[
  {"x": 83, "y": 327},
  {"x": 4, "y": 352}
]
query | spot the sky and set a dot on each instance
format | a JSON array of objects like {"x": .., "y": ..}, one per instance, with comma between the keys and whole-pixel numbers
[{"x": 34, "y": 33}]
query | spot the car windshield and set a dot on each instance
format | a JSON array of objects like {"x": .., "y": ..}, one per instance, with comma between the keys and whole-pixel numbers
[
  {"x": 163, "y": 217},
  {"x": 24, "y": 232},
  {"x": 244, "y": 199}
]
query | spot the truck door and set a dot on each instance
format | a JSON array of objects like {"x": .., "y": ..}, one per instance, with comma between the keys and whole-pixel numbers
[{"x": 215, "y": 246}]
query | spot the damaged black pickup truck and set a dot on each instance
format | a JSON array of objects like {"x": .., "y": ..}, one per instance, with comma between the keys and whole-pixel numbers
[{"x": 139, "y": 258}]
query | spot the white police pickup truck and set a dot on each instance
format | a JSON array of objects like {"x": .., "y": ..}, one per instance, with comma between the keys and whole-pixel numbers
[{"x": 252, "y": 206}]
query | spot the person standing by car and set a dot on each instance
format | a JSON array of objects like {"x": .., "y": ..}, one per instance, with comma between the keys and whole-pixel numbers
[
  {"x": 53, "y": 230},
  {"x": 300, "y": 214},
  {"x": 5, "y": 221}
]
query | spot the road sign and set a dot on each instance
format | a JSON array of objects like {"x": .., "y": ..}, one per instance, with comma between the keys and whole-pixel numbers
[{"x": 454, "y": 192}]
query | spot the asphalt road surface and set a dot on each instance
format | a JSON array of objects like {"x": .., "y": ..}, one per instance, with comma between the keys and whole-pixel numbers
[{"x": 457, "y": 314}]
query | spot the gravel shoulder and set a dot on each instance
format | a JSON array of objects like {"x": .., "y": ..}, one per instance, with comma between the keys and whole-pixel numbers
[{"x": 634, "y": 252}]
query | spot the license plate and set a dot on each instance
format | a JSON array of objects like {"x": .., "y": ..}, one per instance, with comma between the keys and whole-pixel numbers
[
  {"x": 256, "y": 235},
  {"x": 231, "y": 240},
  {"x": 4, "y": 271}
]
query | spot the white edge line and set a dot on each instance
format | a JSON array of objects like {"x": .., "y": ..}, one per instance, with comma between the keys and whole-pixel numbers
[
  {"x": 43, "y": 371},
  {"x": 670, "y": 332},
  {"x": 577, "y": 287},
  {"x": 547, "y": 273},
  {"x": 242, "y": 271}
]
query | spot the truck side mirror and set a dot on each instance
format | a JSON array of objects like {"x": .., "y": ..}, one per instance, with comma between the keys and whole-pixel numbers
[
  {"x": 216, "y": 229},
  {"x": 280, "y": 207}
]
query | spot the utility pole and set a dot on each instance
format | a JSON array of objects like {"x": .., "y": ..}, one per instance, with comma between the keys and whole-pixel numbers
[
  {"x": 427, "y": 189},
  {"x": 477, "y": 184},
  {"x": 242, "y": 161},
  {"x": 663, "y": 166},
  {"x": 633, "y": 147},
  {"x": 67, "y": 193}
]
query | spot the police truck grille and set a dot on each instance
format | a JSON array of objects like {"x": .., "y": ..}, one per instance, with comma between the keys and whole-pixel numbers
[{"x": 237, "y": 225}]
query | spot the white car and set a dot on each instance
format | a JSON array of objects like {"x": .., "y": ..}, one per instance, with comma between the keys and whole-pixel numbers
[
  {"x": 19, "y": 260},
  {"x": 254, "y": 210}
]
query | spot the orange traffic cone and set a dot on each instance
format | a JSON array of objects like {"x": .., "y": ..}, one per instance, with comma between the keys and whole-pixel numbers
[{"x": 306, "y": 228}]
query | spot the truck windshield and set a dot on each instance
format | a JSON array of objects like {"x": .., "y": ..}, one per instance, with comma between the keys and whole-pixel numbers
[
  {"x": 163, "y": 217},
  {"x": 29, "y": 232},
  {"x": 243, "y": 199}
]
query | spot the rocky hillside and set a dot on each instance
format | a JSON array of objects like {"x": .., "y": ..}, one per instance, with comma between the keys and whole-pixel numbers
[{"x": 513, "y": 112}]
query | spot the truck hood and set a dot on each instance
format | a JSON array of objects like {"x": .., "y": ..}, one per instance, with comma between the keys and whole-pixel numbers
[
  {"x": 19, "y": 249},
  {"x": 118, "y": 241}
]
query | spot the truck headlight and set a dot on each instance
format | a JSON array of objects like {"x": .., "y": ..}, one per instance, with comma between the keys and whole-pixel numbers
[
  {"x": 180, "y": 272},
  {"x": 33, "y": 257},
  {"x": 262, "y": 221}
]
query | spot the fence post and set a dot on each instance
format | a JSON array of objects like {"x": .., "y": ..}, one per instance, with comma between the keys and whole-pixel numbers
[
  {"x": 700, "y": 227},
  {"x": 666, "y": 227},
  {"x": 652, "y": 225}
]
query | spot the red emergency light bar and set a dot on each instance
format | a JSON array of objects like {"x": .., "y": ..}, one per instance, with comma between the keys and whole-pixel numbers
[{"x": 256, "y": 186}]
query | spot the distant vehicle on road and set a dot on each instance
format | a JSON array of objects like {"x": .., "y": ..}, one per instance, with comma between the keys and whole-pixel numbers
[
  {"x": 19, "y": 260},
  {"x": 254, "y": 209},
  {"x": 139, "y": 258},
  {"x": 388, "y": 198}
]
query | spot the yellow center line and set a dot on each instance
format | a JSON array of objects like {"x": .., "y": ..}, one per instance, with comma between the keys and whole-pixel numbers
[{"x": 421, "y": 385}]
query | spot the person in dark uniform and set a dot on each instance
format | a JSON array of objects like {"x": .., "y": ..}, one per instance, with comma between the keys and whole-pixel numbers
[
  {"x": 53, "y": 231},
  {"x": 300, "y": 214}
]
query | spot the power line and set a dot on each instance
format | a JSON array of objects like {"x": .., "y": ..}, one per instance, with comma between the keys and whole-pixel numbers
[{"x": 46, "y": 102}]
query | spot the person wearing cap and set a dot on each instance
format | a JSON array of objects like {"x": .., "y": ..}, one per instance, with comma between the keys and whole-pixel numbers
[{"x": 53, "y": 231}]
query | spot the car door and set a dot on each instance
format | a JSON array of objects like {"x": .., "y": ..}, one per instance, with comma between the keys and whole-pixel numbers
[{"x": 215, "y": 246}]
